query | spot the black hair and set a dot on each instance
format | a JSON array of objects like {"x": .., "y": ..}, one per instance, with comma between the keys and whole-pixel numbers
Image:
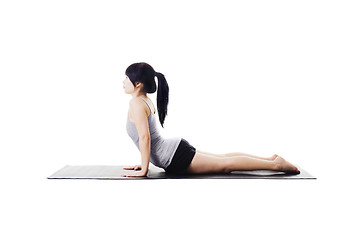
[{"x": 144, "y": 73}]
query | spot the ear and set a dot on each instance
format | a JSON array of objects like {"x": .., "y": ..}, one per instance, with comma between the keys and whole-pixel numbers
[{"x": 138, "y": 84}]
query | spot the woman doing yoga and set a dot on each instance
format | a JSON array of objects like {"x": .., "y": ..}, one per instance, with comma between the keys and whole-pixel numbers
[{"x": 176, "y": 155}]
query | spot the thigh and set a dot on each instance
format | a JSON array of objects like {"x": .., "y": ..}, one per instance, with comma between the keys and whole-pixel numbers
[
  {"x": 213, "y": 154},
  {"x": 203, "y": 163}
]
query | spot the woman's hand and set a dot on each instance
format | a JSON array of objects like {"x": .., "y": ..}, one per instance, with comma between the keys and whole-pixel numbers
[
  {"x": 135, "y": 174},
  {"x": 136, "y": 167}
]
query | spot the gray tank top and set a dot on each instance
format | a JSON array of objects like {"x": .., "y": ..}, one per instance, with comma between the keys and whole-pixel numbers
[{"x": 161, "y": 150}]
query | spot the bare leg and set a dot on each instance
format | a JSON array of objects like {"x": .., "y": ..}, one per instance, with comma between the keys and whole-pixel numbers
[
  {"x": 203, "y": 163},
  {"x": 250, "y": 163},
  {"x": 238, "y": 154}
]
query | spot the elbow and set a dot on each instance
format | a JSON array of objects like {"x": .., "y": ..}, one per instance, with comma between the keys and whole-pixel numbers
[{"x": 144, "y": 138}]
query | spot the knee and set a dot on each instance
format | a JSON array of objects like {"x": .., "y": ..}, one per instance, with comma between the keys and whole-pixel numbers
[{"x": 227, "y": 166}]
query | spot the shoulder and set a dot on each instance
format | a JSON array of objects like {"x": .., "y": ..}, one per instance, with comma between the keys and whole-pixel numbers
[
  {"x": 137, "y": 105},
  {"x": 135, "y": 102}
]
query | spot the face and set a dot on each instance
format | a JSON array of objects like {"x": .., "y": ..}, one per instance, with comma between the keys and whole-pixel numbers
[{"x": 128, "y": 85}]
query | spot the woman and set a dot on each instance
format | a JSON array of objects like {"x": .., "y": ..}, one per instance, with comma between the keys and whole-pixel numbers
[{"x": 176, "y": 155}]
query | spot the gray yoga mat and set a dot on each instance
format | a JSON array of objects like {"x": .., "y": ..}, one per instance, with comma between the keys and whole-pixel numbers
[{"x": 115, "y": 172}]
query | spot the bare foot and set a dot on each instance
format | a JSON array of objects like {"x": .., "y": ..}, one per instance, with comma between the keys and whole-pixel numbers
[
  {"x": 284, "y": 166},
  {"x": 274, "y": 156}
]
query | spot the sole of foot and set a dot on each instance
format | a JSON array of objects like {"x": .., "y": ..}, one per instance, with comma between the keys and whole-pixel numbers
[{"x": 284, "y": 166}]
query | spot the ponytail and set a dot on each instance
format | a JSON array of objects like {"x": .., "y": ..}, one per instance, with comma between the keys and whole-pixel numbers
[
  {"x": 144, "y": 73},
  {"x": 162, "y": 97}
]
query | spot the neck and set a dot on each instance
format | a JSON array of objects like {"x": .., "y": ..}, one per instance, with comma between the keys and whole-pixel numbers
[{"x": 139, "y": 94}]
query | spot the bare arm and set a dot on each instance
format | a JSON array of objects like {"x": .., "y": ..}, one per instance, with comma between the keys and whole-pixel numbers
[
  {"x": 141, "y": 123},
  {"x": 144, "y": 145}
]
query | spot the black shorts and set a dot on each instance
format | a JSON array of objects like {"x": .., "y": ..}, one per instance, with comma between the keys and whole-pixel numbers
[{"x": 182, "y": 158}]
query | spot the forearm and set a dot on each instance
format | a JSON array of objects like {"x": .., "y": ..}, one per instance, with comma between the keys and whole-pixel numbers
[{"x": 144, "y": 145}]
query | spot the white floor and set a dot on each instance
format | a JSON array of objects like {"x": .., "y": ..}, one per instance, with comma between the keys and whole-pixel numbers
[{"x": 93, "y": 209}]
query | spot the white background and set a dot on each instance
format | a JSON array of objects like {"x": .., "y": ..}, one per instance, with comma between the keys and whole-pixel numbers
[{"x": 259, "y": 77}]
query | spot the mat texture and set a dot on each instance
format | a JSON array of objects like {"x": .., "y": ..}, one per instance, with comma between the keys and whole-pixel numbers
[{"x": 115, "y": 172}]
